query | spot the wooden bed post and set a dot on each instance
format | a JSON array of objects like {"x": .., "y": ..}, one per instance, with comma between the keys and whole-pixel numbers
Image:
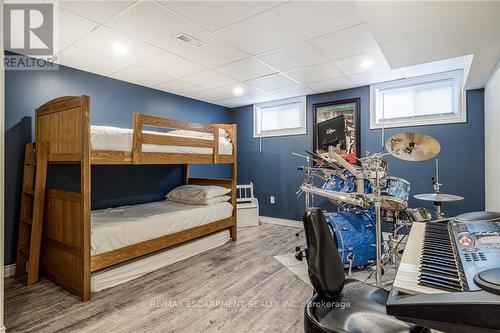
[
  {"x": 186, "y": 174},
  {"x": 234, "y": 176},
  {"x": 85, "y": 192},
  {"x": 137, "y": 139}
]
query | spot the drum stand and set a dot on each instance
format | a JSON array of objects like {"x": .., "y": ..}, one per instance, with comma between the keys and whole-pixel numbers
[{"x": 378, "y": 231}]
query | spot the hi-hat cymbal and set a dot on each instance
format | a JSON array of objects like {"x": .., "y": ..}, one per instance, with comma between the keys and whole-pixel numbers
[
  {"x": 412, "y": 146},
  {"x": 438, "y": 197}
]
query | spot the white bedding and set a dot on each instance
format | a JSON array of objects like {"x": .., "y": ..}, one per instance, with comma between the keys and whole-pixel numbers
[
  {"x": 114, "y": 228},
  {"x": 120, "y": 139}
]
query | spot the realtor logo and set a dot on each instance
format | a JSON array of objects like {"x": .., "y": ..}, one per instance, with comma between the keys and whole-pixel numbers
[{"x": 29, "y": 28}]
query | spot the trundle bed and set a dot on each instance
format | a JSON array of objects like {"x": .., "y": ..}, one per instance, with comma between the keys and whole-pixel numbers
[{"x": 78, "y": 243}]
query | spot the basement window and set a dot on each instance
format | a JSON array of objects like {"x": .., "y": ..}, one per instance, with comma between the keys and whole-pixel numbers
[
  {"x": 280, "y": 118},
  {"x": 424, "y": 100}
]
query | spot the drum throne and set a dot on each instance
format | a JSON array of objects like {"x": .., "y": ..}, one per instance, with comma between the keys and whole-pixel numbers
[{"x": 340, "y": 304}]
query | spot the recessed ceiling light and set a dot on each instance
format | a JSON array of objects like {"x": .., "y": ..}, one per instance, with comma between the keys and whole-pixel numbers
[
  {"x": 238, "y": 91},
  {"x": 120, "y": 49},
  {"x": 367, "y": 63}
]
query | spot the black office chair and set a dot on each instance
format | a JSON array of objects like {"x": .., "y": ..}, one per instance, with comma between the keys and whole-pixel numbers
[{"x": 340, "y": 305}]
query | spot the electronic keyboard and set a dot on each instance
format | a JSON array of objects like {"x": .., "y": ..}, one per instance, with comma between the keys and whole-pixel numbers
[{"x": 449, "y": 275}]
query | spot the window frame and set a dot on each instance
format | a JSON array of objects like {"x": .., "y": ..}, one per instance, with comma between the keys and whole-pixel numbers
[
  {"x": 285, "y": 132},
  {"x": 456, "y": 75}
]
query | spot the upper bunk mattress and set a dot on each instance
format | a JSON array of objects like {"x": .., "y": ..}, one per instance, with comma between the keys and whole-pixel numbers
[
  {"x": 120, "y": 139},
  {"x": 114, "y": 228}
]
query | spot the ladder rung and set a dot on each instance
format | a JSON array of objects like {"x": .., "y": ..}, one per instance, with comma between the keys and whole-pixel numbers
[
  {"x": 29, "y": 192},
  {"x": 26, "y": 221}
]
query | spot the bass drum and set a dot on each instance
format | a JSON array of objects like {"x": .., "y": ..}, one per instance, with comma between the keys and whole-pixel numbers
[
  {"x": 346, "y": 184},
  {"x": 354, "y": 233}
]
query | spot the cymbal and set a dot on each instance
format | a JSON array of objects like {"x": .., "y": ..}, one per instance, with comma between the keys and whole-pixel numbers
[
  {"x": 412, "y": 146},
  {"x": 438, "y": 197}
]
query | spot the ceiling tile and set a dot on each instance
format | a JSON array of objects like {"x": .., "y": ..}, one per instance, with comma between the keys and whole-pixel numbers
[
  {"x": 99, "y": 11},
  {"x": 209, "y": 80},
  {"x": 157, "y": 25},
  {"x": 314, "y": 18},
  {"x": 371, "y": 77},
  {"x": 90, "y": 62},
  {"x": 291, "y": 92},
  {"x": 141, "y": 76},
  {"x": 179, "y": 87},
  {"x": 102, "y": 40},
  {"x": 209, "y": 95},
  {"x": 271, "y": 82},
  {"x": 245, "y": 69},
  {"x": 338, "y": 83},
  {"x": 256, "y": 98},
  {"x": 315, "y": 73},
  {"x": 72, "y": 27},
  {"x": 293, "y": 56},
  {"x": 230, "y": 102},
  {"x": 171, "y": 65},
  {"x": 346, "y": 43},
  {"x": 214, "y": 15},
  {"x": 353, "y": 65},
  {"x": 244, "y": 88},
  {"x": 261, "y": 33}
]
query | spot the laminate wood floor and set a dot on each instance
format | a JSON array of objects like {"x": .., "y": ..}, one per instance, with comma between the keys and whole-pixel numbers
[{"x": 238, "y": 287}]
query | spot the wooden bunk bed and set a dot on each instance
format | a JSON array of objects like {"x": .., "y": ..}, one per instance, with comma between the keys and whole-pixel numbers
[{"x": 64, "y": 124}]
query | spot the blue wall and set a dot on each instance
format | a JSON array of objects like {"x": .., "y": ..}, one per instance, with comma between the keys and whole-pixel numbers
[
  {"x": 274, "y": 172},
  {"x": 112, "y": 103}
]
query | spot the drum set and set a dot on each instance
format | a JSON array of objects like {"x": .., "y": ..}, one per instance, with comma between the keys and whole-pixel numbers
[{"x": 366, "y": 196}]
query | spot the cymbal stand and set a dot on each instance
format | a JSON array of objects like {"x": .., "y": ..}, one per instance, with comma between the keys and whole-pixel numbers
[
  {"x": 377, "y": 200},
  {"x": 309, "y": 174},
  {"x": 378, "y": 230},
  {"x": 436, "y": 184}
]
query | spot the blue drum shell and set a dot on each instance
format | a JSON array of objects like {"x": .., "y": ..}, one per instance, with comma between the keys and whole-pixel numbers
[
  {"x": 347, "y": 185},
  {"x": 355, "y": 233}
]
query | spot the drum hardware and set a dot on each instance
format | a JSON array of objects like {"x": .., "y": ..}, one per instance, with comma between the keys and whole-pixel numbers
[
  {"x": 412, "y": 146},
  {"x": 338, "y": 198},
  {"x": 437, "y": 197}
]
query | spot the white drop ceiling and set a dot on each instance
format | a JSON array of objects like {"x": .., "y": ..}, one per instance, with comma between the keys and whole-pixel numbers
[{"x": 276, "y": 49}]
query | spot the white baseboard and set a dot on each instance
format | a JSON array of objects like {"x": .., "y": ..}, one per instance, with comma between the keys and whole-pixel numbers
[
  {"x": 9, "y": 270},
  {"x": 283, "y": 222}
]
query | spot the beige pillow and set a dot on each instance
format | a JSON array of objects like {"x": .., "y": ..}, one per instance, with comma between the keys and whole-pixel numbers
[
  {"x": 193, "y": 201},
  {"x": 200, "y": 192}
]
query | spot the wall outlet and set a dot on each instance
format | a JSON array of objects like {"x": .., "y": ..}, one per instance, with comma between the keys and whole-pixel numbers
[{"x": 271, "y": 199}]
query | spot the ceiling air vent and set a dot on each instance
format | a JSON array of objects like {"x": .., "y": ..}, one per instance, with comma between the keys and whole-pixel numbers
[{"x": 195, "y": 42}]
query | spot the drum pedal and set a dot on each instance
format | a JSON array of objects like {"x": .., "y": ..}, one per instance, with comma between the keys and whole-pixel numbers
[{"x": 300, "y": 253}]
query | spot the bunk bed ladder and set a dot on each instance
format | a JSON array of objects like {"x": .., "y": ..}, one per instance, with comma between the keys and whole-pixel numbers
[{"x": 31, "y": 217}]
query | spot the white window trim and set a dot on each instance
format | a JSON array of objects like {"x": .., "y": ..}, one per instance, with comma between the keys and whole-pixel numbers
[
  {"x": 286, "y": 132},
  {"x": 462, "y": 116}
]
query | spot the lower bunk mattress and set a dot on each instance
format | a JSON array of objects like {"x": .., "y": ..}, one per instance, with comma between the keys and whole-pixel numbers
[{"x": 114, "y": 228}]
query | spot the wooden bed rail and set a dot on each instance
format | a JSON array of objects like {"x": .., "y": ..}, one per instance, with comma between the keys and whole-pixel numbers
[{"x": 141, "y": 137}]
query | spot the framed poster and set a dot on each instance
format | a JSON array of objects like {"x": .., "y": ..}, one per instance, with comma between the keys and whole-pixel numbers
[{"x": 336, "y": 127}]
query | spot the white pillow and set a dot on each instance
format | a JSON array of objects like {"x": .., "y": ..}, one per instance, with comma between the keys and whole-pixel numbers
[
  {"x": 200, "y": 192},
  {"x": 196, "y": 201}
]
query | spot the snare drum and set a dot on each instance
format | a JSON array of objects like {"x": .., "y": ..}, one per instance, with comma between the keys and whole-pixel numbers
[
  {"x": 396, "y": 193},
  {"x": 355, "y": 235},
  {"x": 419, "y": 214}
]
